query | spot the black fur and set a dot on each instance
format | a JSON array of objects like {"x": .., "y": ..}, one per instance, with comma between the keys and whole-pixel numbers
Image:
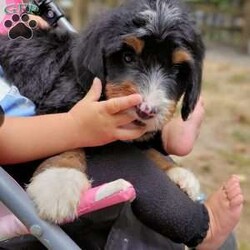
[{"x": 55, "y": 69}]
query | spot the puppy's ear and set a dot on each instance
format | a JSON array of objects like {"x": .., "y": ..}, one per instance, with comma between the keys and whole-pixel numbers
[
  {"x": 88, "y": 58},
  {"x": 192, "y": 92},
  {"x": 91, "y": 53},
  {"x": 191, "y": 79}
]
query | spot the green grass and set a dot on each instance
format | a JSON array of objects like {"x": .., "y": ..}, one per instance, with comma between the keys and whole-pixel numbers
[
  {"x": 240, "y": 160},
  {"x": 241, "y": 136},
  {"x": 244, "y": 245},
  {"x": 239, "y": 78},
  {"x": 210, "y": 85}
]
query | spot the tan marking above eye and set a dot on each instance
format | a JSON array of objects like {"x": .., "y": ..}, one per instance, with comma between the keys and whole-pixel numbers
[
  {"x": 117, "y": 90},
  {"x": 134, "y": 42},
  {"x": 181, "y": 56}
]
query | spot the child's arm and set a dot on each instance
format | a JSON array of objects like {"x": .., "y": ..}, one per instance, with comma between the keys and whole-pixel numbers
[
  {"x": 88, "y": 123},
  {"x": 179, "y": 136}
]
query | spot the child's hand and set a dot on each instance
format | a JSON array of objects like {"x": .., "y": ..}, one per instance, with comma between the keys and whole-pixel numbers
[{"x": 98, "y": 123}]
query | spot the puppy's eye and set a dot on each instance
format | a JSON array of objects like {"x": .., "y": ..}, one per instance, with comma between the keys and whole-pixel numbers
[{"x": 128, "y": 57}]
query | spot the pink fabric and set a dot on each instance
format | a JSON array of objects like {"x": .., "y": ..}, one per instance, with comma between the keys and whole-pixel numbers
[
  {"x": 88, "y": 202},
  {"x": 93, "y": 199},
  {"x": 3, "y": 210},
  {"x": 10, "y": 225},
  {"x": 3, "y": 15}
]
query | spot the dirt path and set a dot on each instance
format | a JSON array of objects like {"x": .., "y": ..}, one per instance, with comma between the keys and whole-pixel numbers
[{"x": 223, "y": 147}]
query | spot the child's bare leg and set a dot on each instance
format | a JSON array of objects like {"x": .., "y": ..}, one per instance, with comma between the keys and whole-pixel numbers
[{"x": 224, "y": 208}]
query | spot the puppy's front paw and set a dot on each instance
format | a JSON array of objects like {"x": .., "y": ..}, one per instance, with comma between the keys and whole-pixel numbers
[
  {"x": 56, "y": 193},
  {"x": 186, "y": 180}
]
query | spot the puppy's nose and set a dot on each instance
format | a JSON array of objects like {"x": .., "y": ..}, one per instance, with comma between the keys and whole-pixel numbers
[{"x": 145, "y": 111}]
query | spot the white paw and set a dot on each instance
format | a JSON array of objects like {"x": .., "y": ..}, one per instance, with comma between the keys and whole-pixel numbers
[
  {"x": 186, "y": 180},
  {"x": 56, "y": 193}
]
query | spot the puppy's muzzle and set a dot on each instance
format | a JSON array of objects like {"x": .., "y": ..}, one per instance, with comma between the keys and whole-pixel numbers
[{"x": 146, "y": 111}]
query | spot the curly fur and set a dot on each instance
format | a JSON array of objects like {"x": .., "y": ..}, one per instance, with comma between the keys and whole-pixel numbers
[
  {"x": 55, "y": 68},
  {"x": 144, "y": 46}
]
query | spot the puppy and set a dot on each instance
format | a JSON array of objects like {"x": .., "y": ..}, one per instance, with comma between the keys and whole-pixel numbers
[{"x": 143, "y": 46}]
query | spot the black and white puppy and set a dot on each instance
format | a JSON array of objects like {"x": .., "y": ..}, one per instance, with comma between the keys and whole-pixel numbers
[{"x": 150, "y": 47}]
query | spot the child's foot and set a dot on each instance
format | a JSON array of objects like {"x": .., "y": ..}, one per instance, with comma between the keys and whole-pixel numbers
[{"x": 224, "y": 208}]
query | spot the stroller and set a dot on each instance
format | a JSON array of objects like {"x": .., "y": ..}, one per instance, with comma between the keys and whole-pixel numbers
[{"x": 111, "y": 227}]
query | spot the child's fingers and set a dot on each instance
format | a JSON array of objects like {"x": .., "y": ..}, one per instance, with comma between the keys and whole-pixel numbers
[
  {"x": 125, "y": 118},
  {"x": 129, "y": 134},
  {"x": 95, "y": 91},
  {"x": 119, "y": 104}
]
